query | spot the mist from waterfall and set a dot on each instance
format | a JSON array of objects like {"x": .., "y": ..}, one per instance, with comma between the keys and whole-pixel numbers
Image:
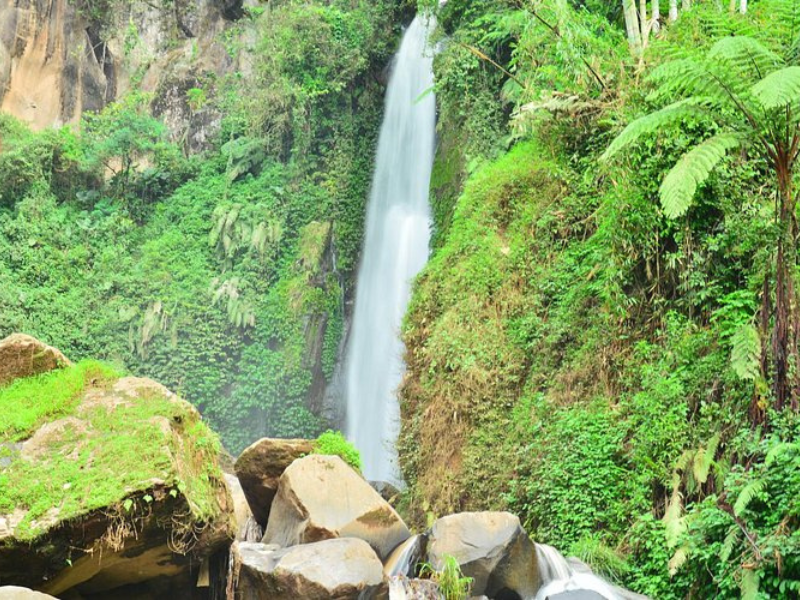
[{"x": 395, "y": 250}]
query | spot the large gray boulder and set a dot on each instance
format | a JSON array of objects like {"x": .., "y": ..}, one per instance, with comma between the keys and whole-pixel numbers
[
  {"x": 321, "y": 497},
  {"x": 259, "y": 469},
  {"x": 343, "y": 569},
  {"x": 490, "y": 547}
]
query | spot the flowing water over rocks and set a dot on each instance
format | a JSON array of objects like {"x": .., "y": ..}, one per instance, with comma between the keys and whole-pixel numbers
[{"x": 395, "y": 249}]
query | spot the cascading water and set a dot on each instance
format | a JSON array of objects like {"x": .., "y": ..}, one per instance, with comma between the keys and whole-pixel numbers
[
  {"x": 558, "y": 577},
  {"x": 395, "y": 250}
]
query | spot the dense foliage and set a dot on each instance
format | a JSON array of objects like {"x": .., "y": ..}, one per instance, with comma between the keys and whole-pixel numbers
[
  {"x": 225, "y": 275},
  {"x": 617, "y": 316}
]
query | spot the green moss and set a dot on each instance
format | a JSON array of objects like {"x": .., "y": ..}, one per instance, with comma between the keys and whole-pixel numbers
[
  {"x": 26, "y": 403},
  {"x": 103, "y": 451},
  {"x": 333, "y": 443}
]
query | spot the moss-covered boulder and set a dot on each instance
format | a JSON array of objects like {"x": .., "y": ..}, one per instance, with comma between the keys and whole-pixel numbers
[{"x": 105, "y": 481}]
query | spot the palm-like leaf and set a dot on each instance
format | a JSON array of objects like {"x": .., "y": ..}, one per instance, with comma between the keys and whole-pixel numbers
[
  {"x": 778, "y": 89},
  {"x": 649, "y": 124},
  {"x": 745, "y": 497},
  {"x": 746, "y": 352},
  {"x": 692, "y": 170},
  {"x": 689, "y": 78},
  {"x": 745, "y": 54}
]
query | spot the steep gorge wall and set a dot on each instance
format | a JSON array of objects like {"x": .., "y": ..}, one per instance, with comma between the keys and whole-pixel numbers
[{"x": 60, "y": 58}]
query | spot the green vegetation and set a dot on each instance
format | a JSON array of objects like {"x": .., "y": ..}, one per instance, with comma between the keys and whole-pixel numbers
[
  {"x": 26, "y": 404},
  {"x": 604, "y": 339},
  {"x": 335, "y": 444},
  {"x": 131, "y": 439},
  {"x": 453, "y": 585},
  {"x": 223, "y": 275}
]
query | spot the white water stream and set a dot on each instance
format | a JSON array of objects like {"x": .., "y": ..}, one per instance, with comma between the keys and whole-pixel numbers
[
  {"x": 558, "y": 577},
  {"x": 395, "y": 250}
]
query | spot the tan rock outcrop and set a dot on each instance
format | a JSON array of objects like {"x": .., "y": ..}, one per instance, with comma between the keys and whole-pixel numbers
[
  {"x": 321, "y": 497},
  {"x": 22, "y": 356},
  {"x": 259, "y": 469}
]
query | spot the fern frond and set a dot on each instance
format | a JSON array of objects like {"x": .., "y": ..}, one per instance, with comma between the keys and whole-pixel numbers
[
  {"x": 674, "y": 523},
  {"x": 678, "y": 559},
  {"x": 745, "y": 54},
  {"x": 778, "y": 89},
  {"x": 649, "y": 124},
  {"x": 692, "y": 170},
  {"x": 750, "y": 584},
  {"x": 703, "y": 459},
  {"x": 779, "y": 450},
  {"x": 750, "y": 491},
  {"x": 746, "y": 352},
  {"x": 690, "y": 78},
  {"x": 728, "y": 545}
]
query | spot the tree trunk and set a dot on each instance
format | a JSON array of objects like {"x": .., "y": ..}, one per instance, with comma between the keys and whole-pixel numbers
[
  {"x": 656, "y": 17},
  {"x": 673, "y": 10},
  {"x": 632, "y": 26},
  {"x": 686, "y": 4},
  {"x": 784, "y": 342},
  {"x": 743, "y": 6},
  {"x": 644, "y": 25}
]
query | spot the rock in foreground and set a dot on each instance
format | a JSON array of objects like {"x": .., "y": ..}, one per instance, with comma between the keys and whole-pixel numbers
[
  {"x": 106, "y": 482},
  {"x": 490, "y": 547},
  {"x": 259, "y": 469},
  {"x": 343, "y": 569},
  {"x": 321, "y": 497},
  {"x": 10, "y": 592},
  {"x": 23, "y": 356}
]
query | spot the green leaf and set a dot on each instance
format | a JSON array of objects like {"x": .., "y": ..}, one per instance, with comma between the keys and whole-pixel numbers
[
  {"x": 779, "y": 88},
  {"x": 147, "y": 498},
  {"x": 744, "y": 53},
  {"x": 127, "y": 505},
  {"x": 749, "y": 584},
  {"x": 652, "y": 123},
  {"x": 746, "y": 352},
  {"x": 750, "y": 491},
  {"x": 692, "y": 170}
]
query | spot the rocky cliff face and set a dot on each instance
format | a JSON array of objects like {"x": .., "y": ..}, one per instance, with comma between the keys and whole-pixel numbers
[{"x": 60, "y": 58}]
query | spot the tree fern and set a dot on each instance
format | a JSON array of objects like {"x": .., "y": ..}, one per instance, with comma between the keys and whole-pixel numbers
[
  {"x": 746, "y": 496},
  {"x": 649, "y": 124},
  {"x": 745, "y": 54},
  {"x": 779, "y": 88},
  {"x": 692, "y": 170},
  {"x": 692, "y": 79},
  {"x": 746, "y": 352}
]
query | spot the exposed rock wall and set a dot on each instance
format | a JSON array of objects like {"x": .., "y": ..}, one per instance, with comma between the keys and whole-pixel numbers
[{"x": 60, "y": 58}]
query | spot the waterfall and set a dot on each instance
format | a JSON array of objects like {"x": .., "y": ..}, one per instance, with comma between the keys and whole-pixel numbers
[
  {"x": 395, "y": 250},
  {"x": 558, "y": 577}
]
